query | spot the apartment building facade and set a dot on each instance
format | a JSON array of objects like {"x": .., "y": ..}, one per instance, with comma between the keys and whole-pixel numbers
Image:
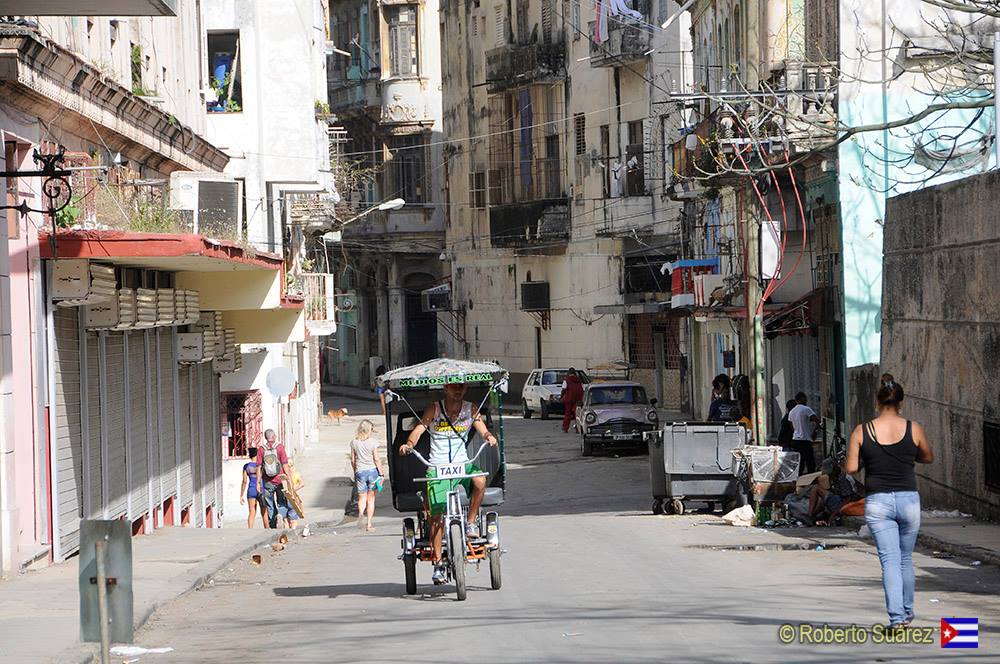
[
  {"x": 555, "y": 187},
  {"x": 385, "y": 91}
]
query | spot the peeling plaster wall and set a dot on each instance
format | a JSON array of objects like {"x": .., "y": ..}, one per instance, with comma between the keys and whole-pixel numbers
[{"x": 940, "y": 331}]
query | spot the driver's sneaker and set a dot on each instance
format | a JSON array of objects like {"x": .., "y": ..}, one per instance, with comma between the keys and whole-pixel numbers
[
  {"x": 471, "y": 529},
  {"x": 439, "y": 576}
]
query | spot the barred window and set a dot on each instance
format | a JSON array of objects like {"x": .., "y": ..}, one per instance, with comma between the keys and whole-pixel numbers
[{"x": 580, "y": 130}]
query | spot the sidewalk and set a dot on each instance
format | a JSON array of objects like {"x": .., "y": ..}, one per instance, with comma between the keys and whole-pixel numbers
[
  {"x": 39, "y": 611},
  {"x": 958, "y": 536}
]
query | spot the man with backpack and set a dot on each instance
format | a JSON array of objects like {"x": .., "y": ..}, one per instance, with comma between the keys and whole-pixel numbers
[{"x": 272, "y": 470}]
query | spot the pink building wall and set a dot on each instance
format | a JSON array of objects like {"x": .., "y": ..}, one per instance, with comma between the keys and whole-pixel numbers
[{"x": 28, "y": 509}]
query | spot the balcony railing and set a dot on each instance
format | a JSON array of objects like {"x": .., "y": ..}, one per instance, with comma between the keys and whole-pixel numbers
[
  {"x": 354, "y": 95},
  {"x": 517, "y": 64},
  {"x": 319, "y": 303},
  {"x": 628, "y": 39}
]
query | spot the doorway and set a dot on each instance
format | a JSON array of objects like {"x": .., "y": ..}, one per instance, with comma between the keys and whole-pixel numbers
[{"x": 421, "y": 326}]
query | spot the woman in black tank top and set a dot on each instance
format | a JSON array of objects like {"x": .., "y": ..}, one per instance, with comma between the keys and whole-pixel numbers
[{"x": 888, "y": 447}]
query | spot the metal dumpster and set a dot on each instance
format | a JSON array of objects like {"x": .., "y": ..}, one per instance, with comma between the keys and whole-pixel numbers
[{"x": 693, "y": 460}]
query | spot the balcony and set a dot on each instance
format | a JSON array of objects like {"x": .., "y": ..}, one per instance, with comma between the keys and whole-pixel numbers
[
  {"x": 628, "y": 40},
  {"x": 353, "y": 97},
  {"x": 541, "y": 225},
  {"x": 320, "y": 303},
  {"x": 518, "y": 64}
]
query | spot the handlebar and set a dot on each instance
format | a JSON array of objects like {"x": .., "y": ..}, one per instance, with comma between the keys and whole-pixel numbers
[{"x": 427, "y": 463}]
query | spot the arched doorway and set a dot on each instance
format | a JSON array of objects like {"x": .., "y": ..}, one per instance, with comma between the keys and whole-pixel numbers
[{"x": 421, "y": 326}]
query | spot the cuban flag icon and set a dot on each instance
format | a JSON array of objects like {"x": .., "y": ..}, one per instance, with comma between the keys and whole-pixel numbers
[{"x": 960, "y": 632}]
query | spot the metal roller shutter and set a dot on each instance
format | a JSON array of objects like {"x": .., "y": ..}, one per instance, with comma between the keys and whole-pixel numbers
[
  {"x": 94, "y": 438},
  {"x": 167, "y": 368},
  {"x": 114, "y": 403},
  {"x": 184, "y": 433},
  {"x": 212, "y": 446},
  {"x": 68, "y": 437},
  {"x": 198, "y": 443},
  {"x": 137, "y": 452},
  {"x": 152, "y": 419}
]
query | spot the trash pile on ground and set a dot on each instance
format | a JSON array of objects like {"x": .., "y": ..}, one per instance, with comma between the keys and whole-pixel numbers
[{"x": 785, "y": 499}]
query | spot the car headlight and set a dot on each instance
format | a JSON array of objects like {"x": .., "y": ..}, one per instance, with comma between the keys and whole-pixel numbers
[
  {"x": 652, "y": 416},
  {"x": 590, "y": 418}
]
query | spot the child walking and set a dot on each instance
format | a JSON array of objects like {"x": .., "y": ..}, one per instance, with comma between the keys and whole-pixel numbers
[{"x": 368, "y": 472}]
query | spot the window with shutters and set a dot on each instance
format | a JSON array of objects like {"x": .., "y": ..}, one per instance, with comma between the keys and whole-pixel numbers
[
  {"x": 580, "y": 132},
  {"x": 500, "y": 25},
  {"x": 402, "y": 22},
  {"x": 553, "y": 167},
  {"x": 547, "y": 21},
  {"x": 577, "y": 20},
  {"x": 477, "y": 190}
]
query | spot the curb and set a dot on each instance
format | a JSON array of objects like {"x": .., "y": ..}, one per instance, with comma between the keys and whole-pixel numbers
[
  {"x": 87, "y": 654},
  {"x": 938, "y": 544}
]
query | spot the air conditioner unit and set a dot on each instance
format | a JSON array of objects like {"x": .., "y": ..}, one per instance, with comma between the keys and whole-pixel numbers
[
  {"x": 78, "y": 282},
  {"x": 211, "y": 203},
  {"x": 535, "y": 296}
]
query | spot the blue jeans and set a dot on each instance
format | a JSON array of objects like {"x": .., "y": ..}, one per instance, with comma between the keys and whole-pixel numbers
[
  {"x": 277, "y": 505},
  {"x": 894, "y": 520}
]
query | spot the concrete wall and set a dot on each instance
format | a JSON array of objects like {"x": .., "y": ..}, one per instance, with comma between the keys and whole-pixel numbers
[{"x": 940, "y": 335}]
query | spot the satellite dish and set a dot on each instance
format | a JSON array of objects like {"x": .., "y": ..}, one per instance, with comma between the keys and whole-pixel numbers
[{"x": 280, "y": 382}]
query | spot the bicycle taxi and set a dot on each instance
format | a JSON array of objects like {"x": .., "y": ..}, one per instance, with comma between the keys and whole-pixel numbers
[{"x": 409, "y": 390}]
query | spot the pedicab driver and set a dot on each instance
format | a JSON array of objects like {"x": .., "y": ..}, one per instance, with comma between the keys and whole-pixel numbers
[{"x": 449, "y": 423}]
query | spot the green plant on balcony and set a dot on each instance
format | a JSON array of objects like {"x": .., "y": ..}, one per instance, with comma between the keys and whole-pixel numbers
[
  {"x": 222, "y": 93},
  {"x": 66, "y": 217},
  {"x": 308, "y": 264},
  {"x": 322, "y": 107},
  {"x": 152, "y": 216}
]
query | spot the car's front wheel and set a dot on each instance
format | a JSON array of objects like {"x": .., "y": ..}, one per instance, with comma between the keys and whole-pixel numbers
[
  {"x": 543, "y": 410},
  {"x": 586, "y": 447}
]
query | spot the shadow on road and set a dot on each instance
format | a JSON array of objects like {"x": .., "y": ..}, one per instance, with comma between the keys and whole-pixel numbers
[{"x": 388, "y": 590}]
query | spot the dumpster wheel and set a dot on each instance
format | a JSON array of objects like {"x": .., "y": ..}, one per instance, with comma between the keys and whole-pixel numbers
[
  {"x": 677, "y": 506},
  {"x": 659, "y": 506}
]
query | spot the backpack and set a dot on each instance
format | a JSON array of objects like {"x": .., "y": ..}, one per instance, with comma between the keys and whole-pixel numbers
[{"x": 271, "y": 465}]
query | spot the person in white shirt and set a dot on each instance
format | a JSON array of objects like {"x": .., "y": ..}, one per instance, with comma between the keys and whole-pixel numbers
[{"x": 804, "y": 420}]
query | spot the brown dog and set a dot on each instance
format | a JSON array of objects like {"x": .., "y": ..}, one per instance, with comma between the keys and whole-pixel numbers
[{"x": 337, "y": 414}]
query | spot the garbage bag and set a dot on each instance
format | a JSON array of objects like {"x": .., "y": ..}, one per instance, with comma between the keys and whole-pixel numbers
[{"x": 741, "y": 516}]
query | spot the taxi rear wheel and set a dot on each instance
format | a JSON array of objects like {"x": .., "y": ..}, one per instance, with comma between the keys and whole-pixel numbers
[{"x": 525, "y": 411}]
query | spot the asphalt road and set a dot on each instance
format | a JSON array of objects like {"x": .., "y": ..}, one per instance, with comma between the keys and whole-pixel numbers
[{"x": 590, "y": 575}]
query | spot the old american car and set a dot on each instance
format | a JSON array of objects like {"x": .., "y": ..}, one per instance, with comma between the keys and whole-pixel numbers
[{"x": 614, "y": 415}]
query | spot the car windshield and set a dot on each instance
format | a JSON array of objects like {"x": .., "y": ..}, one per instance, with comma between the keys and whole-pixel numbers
[
  {"x": 617, "y": 395},
  {"x": 557, "y": 376}
]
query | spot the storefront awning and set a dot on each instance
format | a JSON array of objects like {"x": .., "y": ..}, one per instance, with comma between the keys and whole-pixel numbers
[{"x": 631, "y": 309}]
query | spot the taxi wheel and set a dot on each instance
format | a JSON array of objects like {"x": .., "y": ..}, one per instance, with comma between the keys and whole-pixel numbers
[
  {"x": 525, "y": 411},
  {"x": 457, "y": 556},
  {"x": 494, "y": 556},
  {"x": 410, "y": 567}
]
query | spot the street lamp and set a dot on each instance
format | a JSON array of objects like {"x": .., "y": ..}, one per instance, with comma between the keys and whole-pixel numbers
[{"x": 393, "y": 204}]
